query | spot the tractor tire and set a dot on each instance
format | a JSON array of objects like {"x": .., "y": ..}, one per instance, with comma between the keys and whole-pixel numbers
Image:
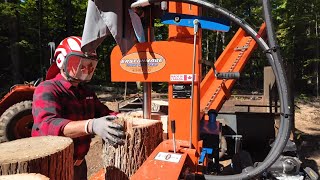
[{"x": 16, "y": 122}]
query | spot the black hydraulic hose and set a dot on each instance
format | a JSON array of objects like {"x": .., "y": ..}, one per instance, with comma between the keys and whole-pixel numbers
[
  {"x": 282, "y": 84},
  {"x": 274, "y": 58}
]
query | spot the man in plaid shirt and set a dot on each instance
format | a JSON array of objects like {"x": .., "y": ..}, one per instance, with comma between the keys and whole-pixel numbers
[{"x": 62, "y": 106}]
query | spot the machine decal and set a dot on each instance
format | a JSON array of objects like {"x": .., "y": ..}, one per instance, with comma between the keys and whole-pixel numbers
[
  {"x": 142, "y": 62},
  {"x": 181, "y": 91},
  {"x": 182, "y": 77},
  {"x": 168, "y": 157}
]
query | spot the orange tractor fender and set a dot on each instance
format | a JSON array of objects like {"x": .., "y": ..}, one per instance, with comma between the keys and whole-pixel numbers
[{"x": 18, "y": 93}]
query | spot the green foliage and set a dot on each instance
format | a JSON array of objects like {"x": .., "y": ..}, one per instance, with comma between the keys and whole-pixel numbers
[
  {"x": 7, "y": 11},
  {"x": 43, "y": 21},
  {"x": 160, "y": 30},
  {"x": 303, "y": 98}
]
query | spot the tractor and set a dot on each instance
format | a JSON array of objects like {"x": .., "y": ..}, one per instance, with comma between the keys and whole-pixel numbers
[{"x": 15, "y": 109}]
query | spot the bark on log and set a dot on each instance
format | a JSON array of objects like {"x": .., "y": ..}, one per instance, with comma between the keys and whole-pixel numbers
[
  {"x": 25, "y": 176},
  {"x": 142, "y": 137},
  {"x": 51, "y": 156}
]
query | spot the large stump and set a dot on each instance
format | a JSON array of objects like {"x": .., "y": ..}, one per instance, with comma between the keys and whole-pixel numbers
[
  {"x": 142, "y": 137},
  {"x": 51, "y": 156}
]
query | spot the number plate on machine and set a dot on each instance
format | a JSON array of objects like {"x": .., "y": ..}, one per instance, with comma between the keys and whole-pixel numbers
[{"x": 168, "y": 157}]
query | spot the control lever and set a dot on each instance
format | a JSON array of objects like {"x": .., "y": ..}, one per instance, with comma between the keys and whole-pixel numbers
[
  {"x": 225, "y": 75},
  {"x": 222, "y": 75},
  {"x": 228, "y": 75},
  {"x": 173, "y": 130}
]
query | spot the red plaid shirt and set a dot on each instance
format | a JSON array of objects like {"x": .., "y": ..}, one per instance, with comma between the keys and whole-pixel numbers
[{"x": 56, "y": 102}]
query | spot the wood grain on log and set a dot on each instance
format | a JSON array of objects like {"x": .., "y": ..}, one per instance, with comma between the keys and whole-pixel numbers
[
  {"x": 51, "y": 156},
  {"x": 142, "y": 137}
]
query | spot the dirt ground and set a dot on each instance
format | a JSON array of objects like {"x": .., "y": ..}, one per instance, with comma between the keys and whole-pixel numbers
[{"x": 307, "y": 123}]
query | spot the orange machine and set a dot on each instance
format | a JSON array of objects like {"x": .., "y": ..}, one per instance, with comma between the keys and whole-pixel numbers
[
  {"x": 168, "y": 61},
  {"x": 178, "y": 62},
  {"x": 192, "y": 149}
]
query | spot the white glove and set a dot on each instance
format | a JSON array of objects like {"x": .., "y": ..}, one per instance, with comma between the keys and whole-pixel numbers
[{"x": 109, "y": 131}]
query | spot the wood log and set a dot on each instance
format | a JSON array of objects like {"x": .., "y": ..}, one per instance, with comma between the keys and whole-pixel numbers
[
  {"x": 142, "y": 137},
  {"x": 51, "y": 156},
  {"x": 25, "y": 176}
]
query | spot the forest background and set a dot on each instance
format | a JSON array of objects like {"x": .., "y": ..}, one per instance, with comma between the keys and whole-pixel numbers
[{"x": 27, "y": 27}]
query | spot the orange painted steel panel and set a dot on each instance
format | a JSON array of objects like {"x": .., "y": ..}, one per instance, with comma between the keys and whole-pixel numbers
[
  {"x": 177, "y": 32},
  {"x": 157, "y": 169},
  {"x": 228, "y": 59},
  {"x": 179, "y": 109},
  {"x": 100, "y": 175},
  {"x": 165, "y": 58},
  {"x": 18, "y": 93}
]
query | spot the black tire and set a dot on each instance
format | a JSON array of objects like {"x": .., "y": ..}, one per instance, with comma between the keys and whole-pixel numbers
[{"x": 16, "y": 122}]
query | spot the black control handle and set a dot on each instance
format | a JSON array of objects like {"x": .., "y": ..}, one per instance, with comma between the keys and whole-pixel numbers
[
  {"x": 173, "y": 126},
  {"x": 228, "y": 75}
]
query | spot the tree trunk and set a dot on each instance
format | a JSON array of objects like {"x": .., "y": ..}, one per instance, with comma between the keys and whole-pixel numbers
[
  {"x": 32, "y": 176},
  {"x": 51, "y": 156},
  {"x": 142, "y": 137},
  {"x": 14, "y": 49}
]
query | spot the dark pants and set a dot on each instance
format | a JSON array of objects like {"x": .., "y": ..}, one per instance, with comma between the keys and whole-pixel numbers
[{"x": 80, "y": 172}]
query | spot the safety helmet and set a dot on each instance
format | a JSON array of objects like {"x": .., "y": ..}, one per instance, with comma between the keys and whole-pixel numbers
[{"x": 76, "y": 65}]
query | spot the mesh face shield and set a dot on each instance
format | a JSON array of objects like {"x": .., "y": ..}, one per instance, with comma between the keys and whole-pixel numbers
[{"x": 79, "y": 67}]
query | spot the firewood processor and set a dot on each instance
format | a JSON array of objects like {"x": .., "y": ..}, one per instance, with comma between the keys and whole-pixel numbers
[{"x": 196, "y": 142}]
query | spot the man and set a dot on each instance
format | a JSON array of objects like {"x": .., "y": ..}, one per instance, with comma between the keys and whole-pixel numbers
[{"x": 63, "y": 106}]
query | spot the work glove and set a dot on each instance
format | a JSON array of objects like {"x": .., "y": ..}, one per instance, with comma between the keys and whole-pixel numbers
[{"x": 109, "y": 131}]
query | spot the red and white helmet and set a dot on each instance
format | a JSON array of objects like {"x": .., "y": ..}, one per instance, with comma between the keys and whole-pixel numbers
[{"x": 76, "y": 65}]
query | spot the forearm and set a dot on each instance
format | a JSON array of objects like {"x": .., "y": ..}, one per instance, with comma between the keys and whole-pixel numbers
[{"x": 75, "y": 129}]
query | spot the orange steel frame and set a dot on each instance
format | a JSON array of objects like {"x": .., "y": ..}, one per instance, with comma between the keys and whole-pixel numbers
[
  {"x": 176, "y": 57},
  {"x": 232, "y": 59}
]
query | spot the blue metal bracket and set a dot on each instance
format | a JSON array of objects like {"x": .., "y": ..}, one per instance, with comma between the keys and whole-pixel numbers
[
  {"x": 214, "y": 24},
  {"x": 203, "y": 154}
]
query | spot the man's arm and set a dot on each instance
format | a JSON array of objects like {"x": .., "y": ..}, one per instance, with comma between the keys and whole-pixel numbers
[
  {"x": 46, "y": 110},
  {"x": 48, "y": 121},
  {"x": 76, "y": 129}
]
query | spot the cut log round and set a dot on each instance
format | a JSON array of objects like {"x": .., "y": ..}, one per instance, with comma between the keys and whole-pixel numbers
[
  {"x": 32, "y": 176},
  {"x": 142, "y": 137},
  {"x": 51, "y": 156}
]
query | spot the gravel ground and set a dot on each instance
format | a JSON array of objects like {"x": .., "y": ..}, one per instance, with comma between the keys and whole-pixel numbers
[{"x": 94, "y": 160}]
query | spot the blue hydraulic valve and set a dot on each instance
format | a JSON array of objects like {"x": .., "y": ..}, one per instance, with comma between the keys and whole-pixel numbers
[{"x": 203, "y": 154}]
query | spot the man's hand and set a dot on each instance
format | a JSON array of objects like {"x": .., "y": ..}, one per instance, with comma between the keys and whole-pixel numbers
[{"x": 108, "y": 130}]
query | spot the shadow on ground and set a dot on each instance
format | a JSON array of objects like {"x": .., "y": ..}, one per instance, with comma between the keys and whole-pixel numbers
[{"x": 308, "y": 150}]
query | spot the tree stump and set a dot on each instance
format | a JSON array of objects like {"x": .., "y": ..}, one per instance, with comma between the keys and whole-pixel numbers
[
  {"x": 32, "y": 176},
  {"x": 51, "y": 156},
  {"x": 142, "y": 137}
]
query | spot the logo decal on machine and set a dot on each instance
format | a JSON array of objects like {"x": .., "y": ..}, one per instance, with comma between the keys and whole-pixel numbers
[{"x": 142, "y": 62}]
